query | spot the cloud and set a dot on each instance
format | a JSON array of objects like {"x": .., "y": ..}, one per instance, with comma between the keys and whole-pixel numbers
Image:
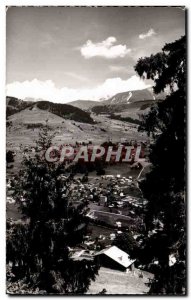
[
  {"x": 48, "y": 91},
  {"x": 149, "y": 33},
  {"x": 47, "y": 40},
  {"x": 105, "y": 49},
  {"x": 76, "y": 76},
  {"x": 117, "y": 69}
]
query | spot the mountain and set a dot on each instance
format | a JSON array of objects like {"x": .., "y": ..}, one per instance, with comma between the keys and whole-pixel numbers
[
  {"x": 129, "y": 97},
  {"x": 138, "y": 99},
  {"x": 128, "y": 102},
  {"x": 133, "y": 96},
  {"x": 119, "y": 108},
  {"x": 120, "y": 98},
  {"x": 85, "y": 104},
  {"x": 65, "y": 111},
  {"x": 14, "y": 105}
]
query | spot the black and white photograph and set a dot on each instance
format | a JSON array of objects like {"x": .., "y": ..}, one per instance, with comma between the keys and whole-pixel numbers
[{"x": 96, "y": 100}]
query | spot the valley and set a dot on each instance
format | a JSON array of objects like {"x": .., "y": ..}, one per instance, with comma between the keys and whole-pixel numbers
[{"x": 24, "y": 125}]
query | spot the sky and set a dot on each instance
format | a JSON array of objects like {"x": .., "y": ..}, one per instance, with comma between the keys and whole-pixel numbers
[{"x": 63, "y": 54}]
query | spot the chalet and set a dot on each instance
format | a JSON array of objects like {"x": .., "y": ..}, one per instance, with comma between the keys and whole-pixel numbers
[{"x": 115, "y": 258}]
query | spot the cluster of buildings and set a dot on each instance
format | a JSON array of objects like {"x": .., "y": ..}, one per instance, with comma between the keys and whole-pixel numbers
[
  {"x": 111, "y": 191},
  {"x": 111, "y": 257},
  {"x": 113, "y": 202},
  {"x": 110, "y": 207}
]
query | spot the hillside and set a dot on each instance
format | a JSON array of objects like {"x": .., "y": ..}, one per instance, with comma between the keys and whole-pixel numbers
[
  {"x": 128, "y": 104},
  {"x": 14, "y": 105},
  {"x": 129, "y": 97},
  {"x": 65, "y": 111},
  {"x": 121, "y": 98},
  {"x": 23, "y": 129},
  {"x": 132, "y": 108},
  {"x": 85, "y": 104}
]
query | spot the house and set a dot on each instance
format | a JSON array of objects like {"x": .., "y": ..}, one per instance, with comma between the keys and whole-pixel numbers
[
  {"x": 115, "y": 258},
  {"x": 80, "y": 255}
]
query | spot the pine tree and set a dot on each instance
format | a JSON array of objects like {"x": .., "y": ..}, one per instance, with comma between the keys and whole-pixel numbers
[
  {"x": 38, "y": 245},
  {"x": 164, "y": 186},
  {"x": 127, "y": 243}
]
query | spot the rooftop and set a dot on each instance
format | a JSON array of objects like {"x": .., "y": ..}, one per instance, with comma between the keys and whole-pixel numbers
[{"x": 118, "y": 255}]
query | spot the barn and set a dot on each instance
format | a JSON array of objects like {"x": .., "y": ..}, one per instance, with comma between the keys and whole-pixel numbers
[{"x": 115, "y": 258}]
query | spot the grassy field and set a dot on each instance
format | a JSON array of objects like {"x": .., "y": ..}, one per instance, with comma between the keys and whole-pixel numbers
[
  {"x": 112, "y": 218},
  {"x": 116, "y": 282},
  {"x": 24, "y": 131},
  {"x": 96, "y": 231},
  {"x": 68, "y": 130}
]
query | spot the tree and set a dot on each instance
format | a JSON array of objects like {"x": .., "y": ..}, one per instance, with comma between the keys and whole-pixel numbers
[
  {"x": 38, "y": 245},
  {"x": 164, "y": 186},
  {"x": 127, "y": 243},
  {"x": 9, "y": 156}
]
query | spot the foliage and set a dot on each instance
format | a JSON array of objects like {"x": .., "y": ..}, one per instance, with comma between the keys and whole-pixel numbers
[
  {"x": 15, "y": 105},
  {"x": 66, "y": 111},
  {"x": 127, "y": 243},
  {"x": 9, "y": 156},
  {"x": 164, "y": 186},
  {"x": 103, "y": 292},
  {"x": 38, "y": 245},
  {"x": 125, "y": 119}
]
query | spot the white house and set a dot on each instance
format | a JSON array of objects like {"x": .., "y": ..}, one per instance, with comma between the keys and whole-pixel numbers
[{"x": 115, "y": 258}]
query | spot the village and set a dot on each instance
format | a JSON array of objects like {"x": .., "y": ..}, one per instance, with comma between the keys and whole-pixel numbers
[{"x": 115, "y": 207}]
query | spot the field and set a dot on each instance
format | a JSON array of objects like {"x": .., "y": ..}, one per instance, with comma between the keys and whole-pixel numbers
[
  {"x": 120, "y": 282},
  {"x": 68, "y": 131},
  {"x": 95, "y": 231},
  {"x": 26, "y": 124}
]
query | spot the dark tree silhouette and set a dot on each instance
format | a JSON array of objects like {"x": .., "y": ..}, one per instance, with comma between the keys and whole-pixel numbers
[
  {"x": 38, "y": 245},
  {"x": 127, "y": 243},
  {"x": 164, "y": 186},
  {"x": 9, "y": 156}
]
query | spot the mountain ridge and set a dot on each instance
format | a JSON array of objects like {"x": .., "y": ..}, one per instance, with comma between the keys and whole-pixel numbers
[
  {"x": 123, "y": 98},
  {"x": 66, "y": 111}
]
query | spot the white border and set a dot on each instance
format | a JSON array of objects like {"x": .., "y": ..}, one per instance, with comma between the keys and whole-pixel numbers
[
  {"x": 3, "y": 4},
  {"x": 96, "y": 2}
]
